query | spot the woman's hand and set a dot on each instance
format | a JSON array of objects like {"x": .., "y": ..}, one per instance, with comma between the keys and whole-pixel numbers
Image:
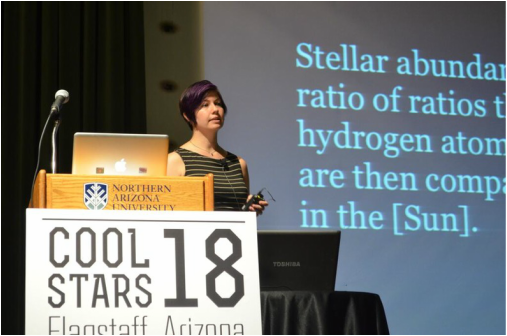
[{"x": 258, "y": 208}]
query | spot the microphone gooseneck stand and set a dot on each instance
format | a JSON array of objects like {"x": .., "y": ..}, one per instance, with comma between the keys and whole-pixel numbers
[{"x": 61, "y": 97}]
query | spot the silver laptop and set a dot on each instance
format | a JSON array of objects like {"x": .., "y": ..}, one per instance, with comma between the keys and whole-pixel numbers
[
  {"x": 298, "y": 260},
  {"x": 120, "y": 154}
]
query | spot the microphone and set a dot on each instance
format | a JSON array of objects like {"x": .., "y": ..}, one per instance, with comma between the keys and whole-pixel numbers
[
  {"x": 223, "y": 163},
  {"x": 61, "y": 97}
]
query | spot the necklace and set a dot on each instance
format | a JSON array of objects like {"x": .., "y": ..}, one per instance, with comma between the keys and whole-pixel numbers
[{"x": 210, "y": 153}]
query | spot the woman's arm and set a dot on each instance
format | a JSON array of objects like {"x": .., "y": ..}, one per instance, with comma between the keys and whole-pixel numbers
[
  {"x": 244, "y": 170},
  {"x": 258, "y": 208},
  {"x": 175, "y": 165}
]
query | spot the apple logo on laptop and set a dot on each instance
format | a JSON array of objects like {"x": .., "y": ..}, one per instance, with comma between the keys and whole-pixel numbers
[{"x": 120, "y": 166}]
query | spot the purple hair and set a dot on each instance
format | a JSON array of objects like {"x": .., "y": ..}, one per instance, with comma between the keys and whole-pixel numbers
[{"x": 193, "y": 96}]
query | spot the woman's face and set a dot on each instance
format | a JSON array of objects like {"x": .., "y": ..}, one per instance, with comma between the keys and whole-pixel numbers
[{"x": 210, "y": 114}]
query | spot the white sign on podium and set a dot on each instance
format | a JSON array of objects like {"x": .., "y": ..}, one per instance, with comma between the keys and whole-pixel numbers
[{"x": 141, "y": 273}]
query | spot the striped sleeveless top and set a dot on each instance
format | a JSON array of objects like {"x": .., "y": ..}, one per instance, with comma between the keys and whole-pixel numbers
[{"x": 230, "y": 190}]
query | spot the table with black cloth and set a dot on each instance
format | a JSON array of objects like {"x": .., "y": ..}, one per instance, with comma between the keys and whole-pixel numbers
[{"x": 321, "y": 313}]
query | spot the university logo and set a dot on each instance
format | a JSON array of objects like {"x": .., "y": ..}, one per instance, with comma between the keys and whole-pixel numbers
[{"x": 95, "y": 196}]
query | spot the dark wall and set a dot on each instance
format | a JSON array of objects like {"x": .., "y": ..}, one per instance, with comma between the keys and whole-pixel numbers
[{"x": 93, "y": 50}]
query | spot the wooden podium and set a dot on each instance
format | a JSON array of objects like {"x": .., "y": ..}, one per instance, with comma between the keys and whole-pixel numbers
[{"x": 114, "y": 192}]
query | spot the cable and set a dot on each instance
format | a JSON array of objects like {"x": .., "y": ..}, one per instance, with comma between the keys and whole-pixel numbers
[
  {"x": 38, "y": 161},
  {"x": 230, "y": 184}
]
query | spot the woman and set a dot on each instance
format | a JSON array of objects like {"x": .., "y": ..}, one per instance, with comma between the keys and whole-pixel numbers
[{"x": 203, "y": 108}]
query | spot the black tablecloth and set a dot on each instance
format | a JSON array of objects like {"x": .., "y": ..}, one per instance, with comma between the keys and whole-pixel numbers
[{"x": 312, "y": 313}]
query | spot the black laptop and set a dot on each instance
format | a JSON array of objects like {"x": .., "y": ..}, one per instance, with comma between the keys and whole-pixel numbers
[{"x": 298, "y": 260}]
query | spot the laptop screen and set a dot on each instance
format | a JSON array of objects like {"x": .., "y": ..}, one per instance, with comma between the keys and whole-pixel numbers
[
  {"x": 298, "y": 260},
  {"x": 120, "y": 154}
]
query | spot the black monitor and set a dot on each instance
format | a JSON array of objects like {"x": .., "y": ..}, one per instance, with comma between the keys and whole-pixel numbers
[{"x": 298, "y": 260}]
